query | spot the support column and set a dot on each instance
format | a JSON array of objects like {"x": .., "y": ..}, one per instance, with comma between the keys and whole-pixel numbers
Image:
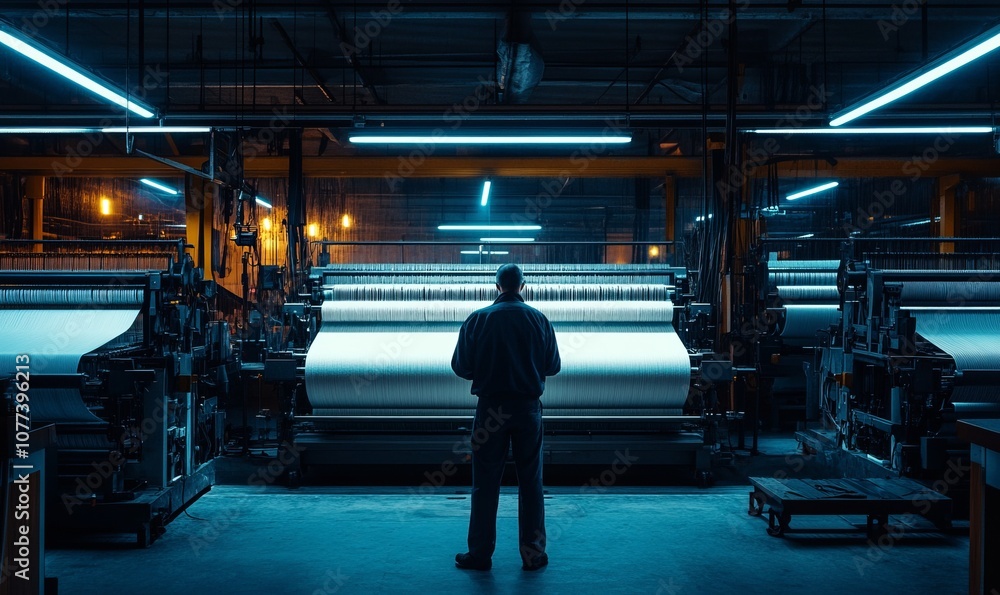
[
  {"x": 199, "y": 206},
  {"x": 34, "y": 189},
  {"x": 670, "y": 216},
  {"x": 948, "y": 226}
]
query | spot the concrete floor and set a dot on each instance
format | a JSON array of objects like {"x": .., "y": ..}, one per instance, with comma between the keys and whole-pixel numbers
[{"x": 659, "y": 541}]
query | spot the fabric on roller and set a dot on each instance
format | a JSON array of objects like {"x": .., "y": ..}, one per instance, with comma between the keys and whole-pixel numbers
[
  {"x": 488, "y": 292},
  {"x": 93, "y": 297},
  {"x": 60, "y": 405},
  {"x": 780, "y": 278},
  {"x": 809, "y": 293},
  {"x": 57, "y": 339},
  {"x": 950, "y": 294},
  {"x": 773, "y": 264},
  {"x": 972, "y": 338},
  {"x": 804, "y": 320},
  {"x": 457, "y": 311},
  {"x": 614, "y": 373},
  {"x": 461, "y": 274}
]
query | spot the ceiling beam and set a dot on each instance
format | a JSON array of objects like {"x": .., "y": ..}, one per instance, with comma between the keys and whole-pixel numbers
[
  {"x": 301, "y": 61},
  {"x": 472, "y": 167}
]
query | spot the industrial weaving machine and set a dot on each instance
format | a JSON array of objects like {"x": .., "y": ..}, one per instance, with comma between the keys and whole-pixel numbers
[
  {"x": 379, "y": 387},
  {"x": 800, "y": 299},
  {"x": 916, "y": 350},
  {"x": 125, "y": 363}
]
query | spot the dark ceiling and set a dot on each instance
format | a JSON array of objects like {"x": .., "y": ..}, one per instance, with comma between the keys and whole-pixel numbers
[{"x": 329, "y": 62}]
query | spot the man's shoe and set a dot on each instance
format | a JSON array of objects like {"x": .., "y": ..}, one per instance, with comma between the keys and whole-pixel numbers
[
  {"x": 467, "y": 562},
  {"x": 539, "y": 561}
]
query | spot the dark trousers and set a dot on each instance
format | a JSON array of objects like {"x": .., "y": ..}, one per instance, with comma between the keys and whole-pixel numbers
[{"x": 500, "y": 424}]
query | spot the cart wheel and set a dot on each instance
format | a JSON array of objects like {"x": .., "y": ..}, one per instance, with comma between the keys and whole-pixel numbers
[{"x": 777, "y": 530}]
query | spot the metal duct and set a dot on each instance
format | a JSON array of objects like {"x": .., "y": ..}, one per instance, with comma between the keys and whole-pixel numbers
[{"x": 519, "y": 70}]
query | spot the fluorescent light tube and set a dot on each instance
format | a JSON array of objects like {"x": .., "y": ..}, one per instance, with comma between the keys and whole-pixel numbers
[
  {"x": 920, "y": 222},
  {"x": 804, "y": 236},
  {"x": 155, "y": 129},
  {"x": 41, "y": 130},
  {"x": 158, "y": 186},
  {"x": 65, "y": 67},
  {"x": 105, "y": 130},
  {"x": 884, "y": 130},
  {"x": 264, "y": 203},
  {"x": 492, "y": 252},
  {"x": 486, "y": 193},
  {"x": 489, "y": 227},
  {"x": 811, "y": 191},
  {"x": 973, "y": 50},
  {"x": 488, "y": 139},
  {"x": 506, "y": 239}
]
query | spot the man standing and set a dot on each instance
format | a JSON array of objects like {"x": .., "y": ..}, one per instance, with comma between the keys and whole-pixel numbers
[{"x": 506, "y": 350}]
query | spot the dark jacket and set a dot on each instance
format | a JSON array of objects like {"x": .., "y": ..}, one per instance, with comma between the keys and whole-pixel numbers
[{"x": 507, "y": 350}]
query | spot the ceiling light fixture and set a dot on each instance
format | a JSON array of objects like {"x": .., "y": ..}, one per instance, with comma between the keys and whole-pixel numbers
[
  {"x": 155, "y": 129},
  {"x": 159, "y": 186},
  {"x": 953, "y": 60},
  {"x": 506, "y": 239},
  {"x": 104, "y": 130},
  {"x": 490, "y": 252},
  {"x": 486, "y": 193},
  {"x": 812, "y": 191},
  {"x": 489, "y": 227},
  {"x": 40, "y": 130},
  {"x": 401, "y": 139},
  {"x": 262, "y": 202},
  {"x": 12, "y": 38},
  {"x": 883, "y": 130}
]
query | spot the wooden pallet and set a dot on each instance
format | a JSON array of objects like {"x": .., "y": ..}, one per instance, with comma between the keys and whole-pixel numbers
[{"x": 875, "y": 498}]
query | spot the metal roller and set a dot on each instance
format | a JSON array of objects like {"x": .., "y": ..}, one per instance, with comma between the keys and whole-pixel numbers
[
  {"x": 385, "y": 346},
  {"x": 458, "y": 311},
  {"x": 803, "y": 321},
  {"x": 55, "y": 328},
  {"x": 809, "y": 293},
  {"x": 605, "y": 373},
  {"x": 972, "y": 338}
]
